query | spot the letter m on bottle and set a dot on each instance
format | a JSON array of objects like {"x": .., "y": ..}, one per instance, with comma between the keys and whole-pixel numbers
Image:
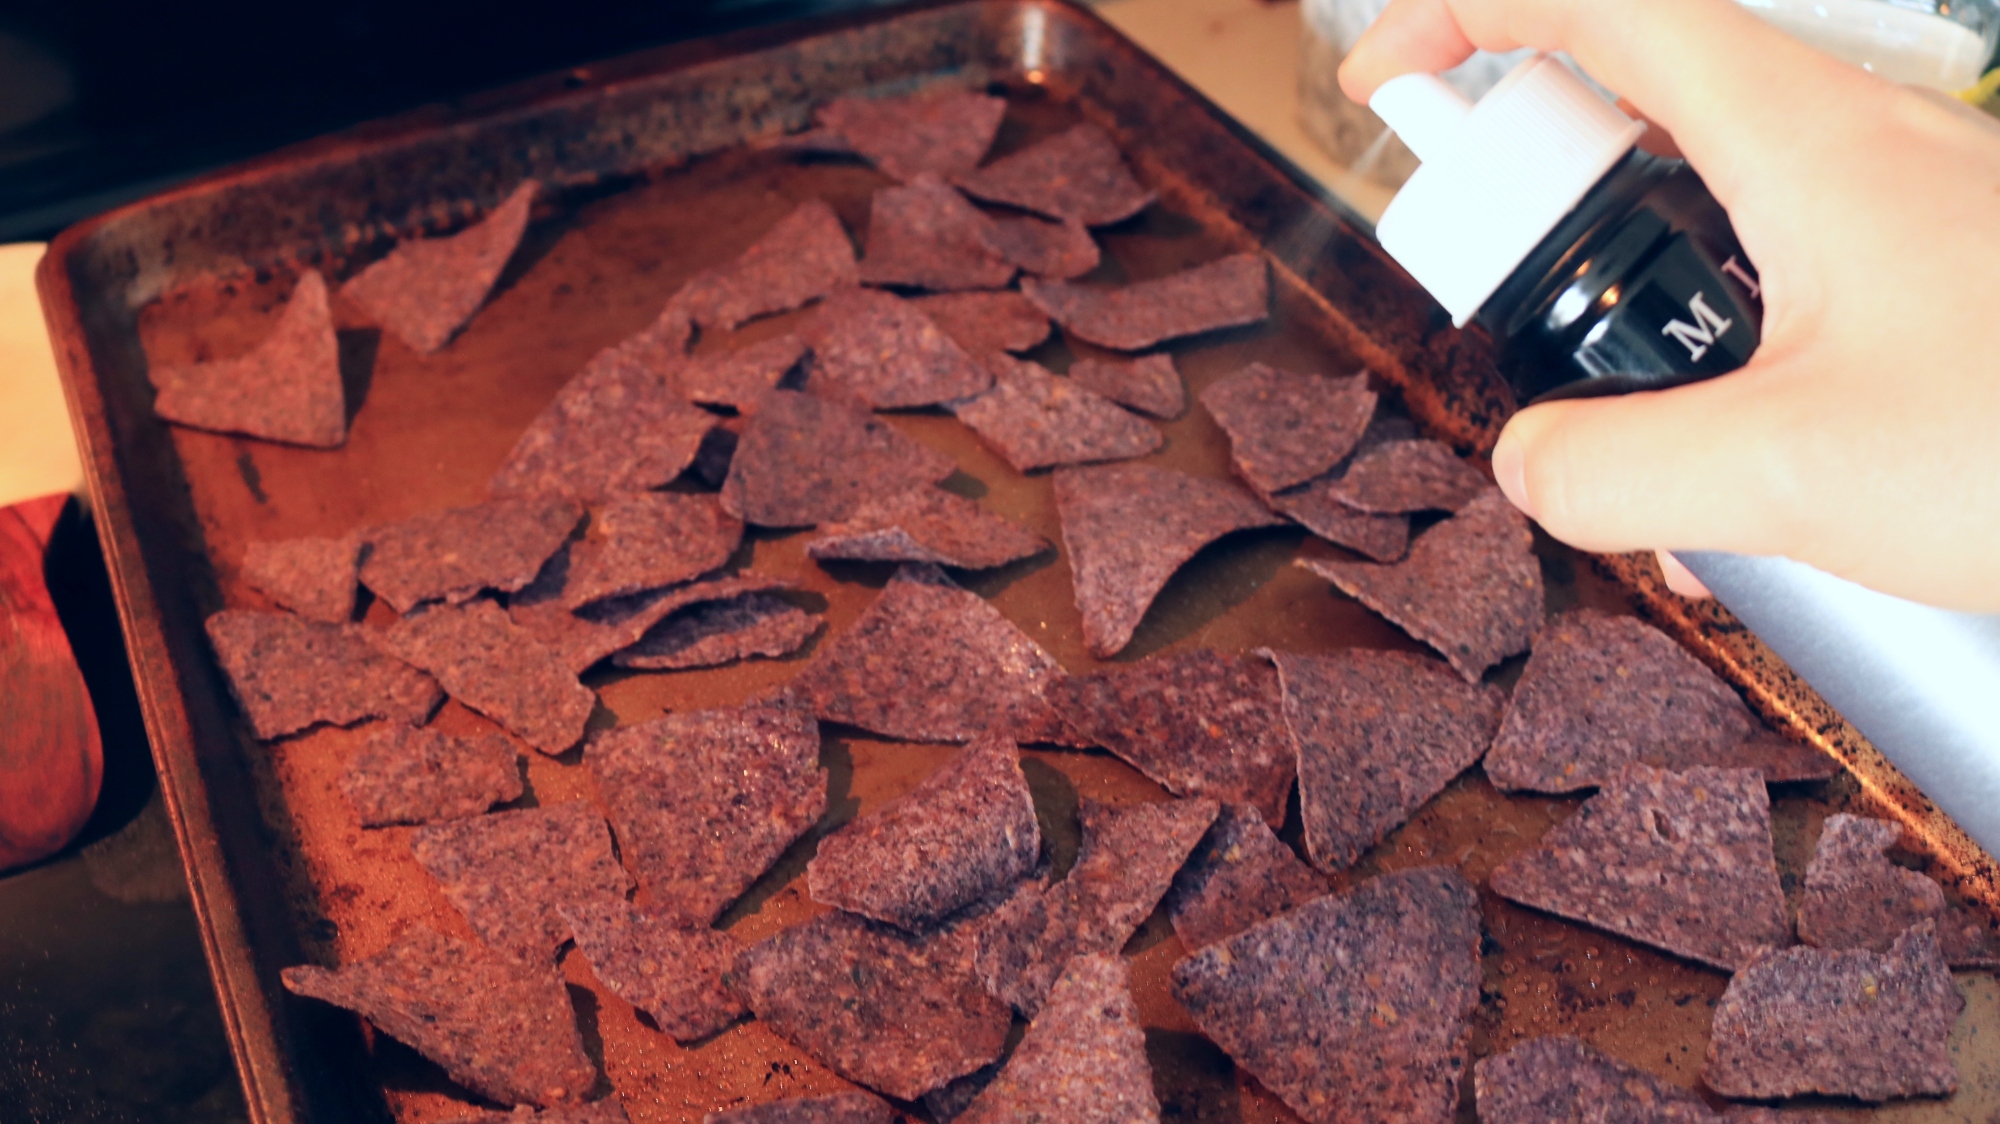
[{"x": 1699, "y": 336}]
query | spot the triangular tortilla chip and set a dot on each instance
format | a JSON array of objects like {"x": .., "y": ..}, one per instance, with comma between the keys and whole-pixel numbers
[
  {"x": 1076, "y": 174},
  {"x": 986, "y": 321},
  {"x": 926, "y": 236},
  {"x": 402, "y": 775},
  {"x": 1404, "y": 476},
  {"x": 650, "y": 540},
  {"x": 1378, "y": 735},
  {"x": 1055, "y": 251},
  {"x": 942, "y": 132},
  {"x": 676, "y": 973},
  {"x": 1034, "y": 419},
  {"x": 427, "y": 289},
  {"x": 1471, "y": 587},
  {"x": 1856, "y": 898},
  {"x": 1561, "y": 1078},
  {"x": 1680, "y": 861},
  {"x": 705, "y": 802},
  {"x": 738, "y": 379},
  {"x": 1083, "y": 1061},
  {"x": 1198, "y": 722},
  {"x": 288, "y": 673},
  {"x": 457, "y": 553},
  {"x": 501, "y": 1028},
  {"x": 926, "y": 525},
  {"x": 932, "y": 662},
  {"x": 593, "y": 632},
  {"x": 497, "y": 668},
  {"x": 1385, "y": 538},
  {"x": 1353, "y": 1009},
  {"x": 511, "y": 872},
  {"x": 1285, "y": 428},
  {"x": 804, "y": 257},
  {"x": 1127, "y": 528},
  {"x": 1148, "y": 384},
  {"x": 717, "y": 631},
  {"x": 315, "y": 578},
  {"x": 1225, "y": 293},
  {"x": 286, "y": 389},
  {"x": 878, "y": 348},
  {"x": 1240, "y": 876},
  {"x": 805, "y": 460}
]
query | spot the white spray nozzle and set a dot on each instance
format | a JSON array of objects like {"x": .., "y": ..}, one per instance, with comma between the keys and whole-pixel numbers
[{"x": 1423, "y": 110}]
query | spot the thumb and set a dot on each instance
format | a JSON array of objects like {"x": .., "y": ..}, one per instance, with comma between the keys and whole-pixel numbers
[{"x": 1696, "y": 467}]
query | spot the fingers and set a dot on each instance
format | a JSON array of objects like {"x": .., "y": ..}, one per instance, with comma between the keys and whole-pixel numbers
[
  {"x": 1680, "y": 579},
  {"x": 1693, "y": 468},
  {"x": 1410, "y": 36}
]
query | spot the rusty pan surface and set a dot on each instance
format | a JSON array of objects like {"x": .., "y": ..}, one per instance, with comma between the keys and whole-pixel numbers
[{"x": 653, "y": 182}]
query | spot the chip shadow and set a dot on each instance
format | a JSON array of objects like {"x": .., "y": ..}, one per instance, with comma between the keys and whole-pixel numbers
[
  {"x": 1193, "y": 1079},
  {"x": 1223, "y": 575},
  {"x": 358, "y": 347},
  {"x": 841, "y": 806}
]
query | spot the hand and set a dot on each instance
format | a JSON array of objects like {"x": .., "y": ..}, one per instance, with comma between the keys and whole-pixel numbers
[{"x": 1864, "y": 435}]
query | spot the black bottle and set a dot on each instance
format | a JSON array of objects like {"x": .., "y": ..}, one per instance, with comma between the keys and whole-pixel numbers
[{"x": 1601, "y": 269}]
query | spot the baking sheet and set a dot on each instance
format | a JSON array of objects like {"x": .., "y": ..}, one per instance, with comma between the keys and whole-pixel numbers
[{"x": 652, "y": 183}]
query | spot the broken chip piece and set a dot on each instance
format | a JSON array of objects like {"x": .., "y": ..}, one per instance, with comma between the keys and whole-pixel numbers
[
  {"x": 455, "y": 554},
  {"x": 286, "y": 389},
  {"x": 1034, "y": 419},
  {"x": 881, "y": 1008},
  {"x": 1776, "y": 756},
  {"x": 926, "y": 525},
  {"x": 500, "y": 1027},
  {"x": 739, "y": 378},
  {"x": 805, "y": 460},
  {"x": 1842, "y": 1024},
  {"x": 1127, "y": 528},
  {"x": 1403, "y": 476},
  {"x": 704, "y": 802},
  {"x": 1055, "y": 251},
  {"x": 854, "y": 1107},
  {"x": 719, "y": 630},
  {"x": 1471, "y": 586},
  {"x": 607, "y": 1111},
  {"x": 1148, "y": 384},
  {"x": 650, "y": 540},
  {"x": 1378, "y": 734},
  {"x": 1127, "y": 862},
  {"x": 1241, "y": 875},
  {"x": 617, "y": 426},
  {"x": 596, "y": 631},
  {"x": 676, "y": 973},
  {"x": 288, "y": 673},
  {"x": 801, "y": 259},
  {"x": 1225, "y": 293},
  {"x": 1680, "y": 861},
  {"x": 1350, "y": 1008},
  {"x": 1082, "y": 1061},
  {"x": 967, "y": 831},
  {"x": 1076, "y": 174},
  {"x": 488, "y": 663},
  {"x": 1602, "y": 691},
  {"x": 510, "y": 872},
  {"x": 932, "y": 662},
  {"x": 1560, "y": 1078},
  {"x": 1198, "y": 722},
  {"x": 1385, "y": 538},
  {"x": 1856, "y": 898},
  {"x": 1285, "y": 428},
  {"x": 402, "y": 775},
  {"x": 925, "y": 235},
  {"x": 426, "y": 289},
  {"x": 986, "y": 321},
  {"x": 315, "y": 578},
  {"x": 883, "y": 351},
  {"x": 943, "y": 132}
]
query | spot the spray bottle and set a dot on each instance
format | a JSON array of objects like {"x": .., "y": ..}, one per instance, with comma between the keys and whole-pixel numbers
[{"x": 1602, "y": 269}]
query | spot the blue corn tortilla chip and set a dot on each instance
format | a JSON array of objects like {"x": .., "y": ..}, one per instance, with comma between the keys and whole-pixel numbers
[
  {"x": 924, "y": 235},
  {"x": 315, "y": 578},
  {"x": 1561, "y": 1078},
  {"x": 1148, "y": 384},
  {"x": 502, "y": 1028},
  {"x": 286, "y": 389},
  {"x": 986, "y": 321},
  {"x": 1225, "y": 293},
  {"x": 1054, "y": 251},
  {"x": 801, "y": 259},
  {"x": 511, "y": 873},
  {"x": 805, "y": 460},
  {"x": 883, "y": 351},
  {"x": 1034, "y": 419},
  {"x": 926, "y": 525},
  {"x": 488, "y": 663},
  {"x": 1127, "y": 528},
  {"x": 1378, "y": 734},
  {"x": 1198, "y": 722},
  {"x": 596, "y": 631},
  {"x": 1384, "y": 538},
  {"x": 1241, "y": 875},
  {"x": 1471, "y": 586},
  {"x": 717, "y": 631},
  {"x": 883, "y": 1009},
  {"x": 1076, "y": 174},
  {"x": 1125, "y": 866},
  {"x": 1351, "y": 1008},
  {"x": 647, "y": 541},
  {"x": 840, "y": 1108},
  {"x": 677, "y": 973},
  {"x": 606, "y": 1111},
  {"x": 705, "y": 802},
  {"x": 1868, "y": 1025},
  {"x": 942, "y": 132},
  {"x": 453, "y": 555},
  {"x": 1679, "y": 861},
  {"x": 965, "y": 833},
  {"x": 1855, "y": 897},
  {"x": 288, "y": 673},
  {"x": 1404, "y": 476},
  {"x": 1285, "y": 428},
  {"x": 402, "y": 776},
  {"x": 427, "y": 289},
  {"x": 739, "y": 378},
  {"x": 1082, "y": 1061},
  {"x": 930, "y": 661}
]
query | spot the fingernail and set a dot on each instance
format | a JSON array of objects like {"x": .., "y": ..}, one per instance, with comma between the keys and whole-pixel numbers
[{"x": 1510, "y": 470}]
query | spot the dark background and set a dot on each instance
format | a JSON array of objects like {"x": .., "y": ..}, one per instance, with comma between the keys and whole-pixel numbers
[{"x": 102, "y": 101}]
